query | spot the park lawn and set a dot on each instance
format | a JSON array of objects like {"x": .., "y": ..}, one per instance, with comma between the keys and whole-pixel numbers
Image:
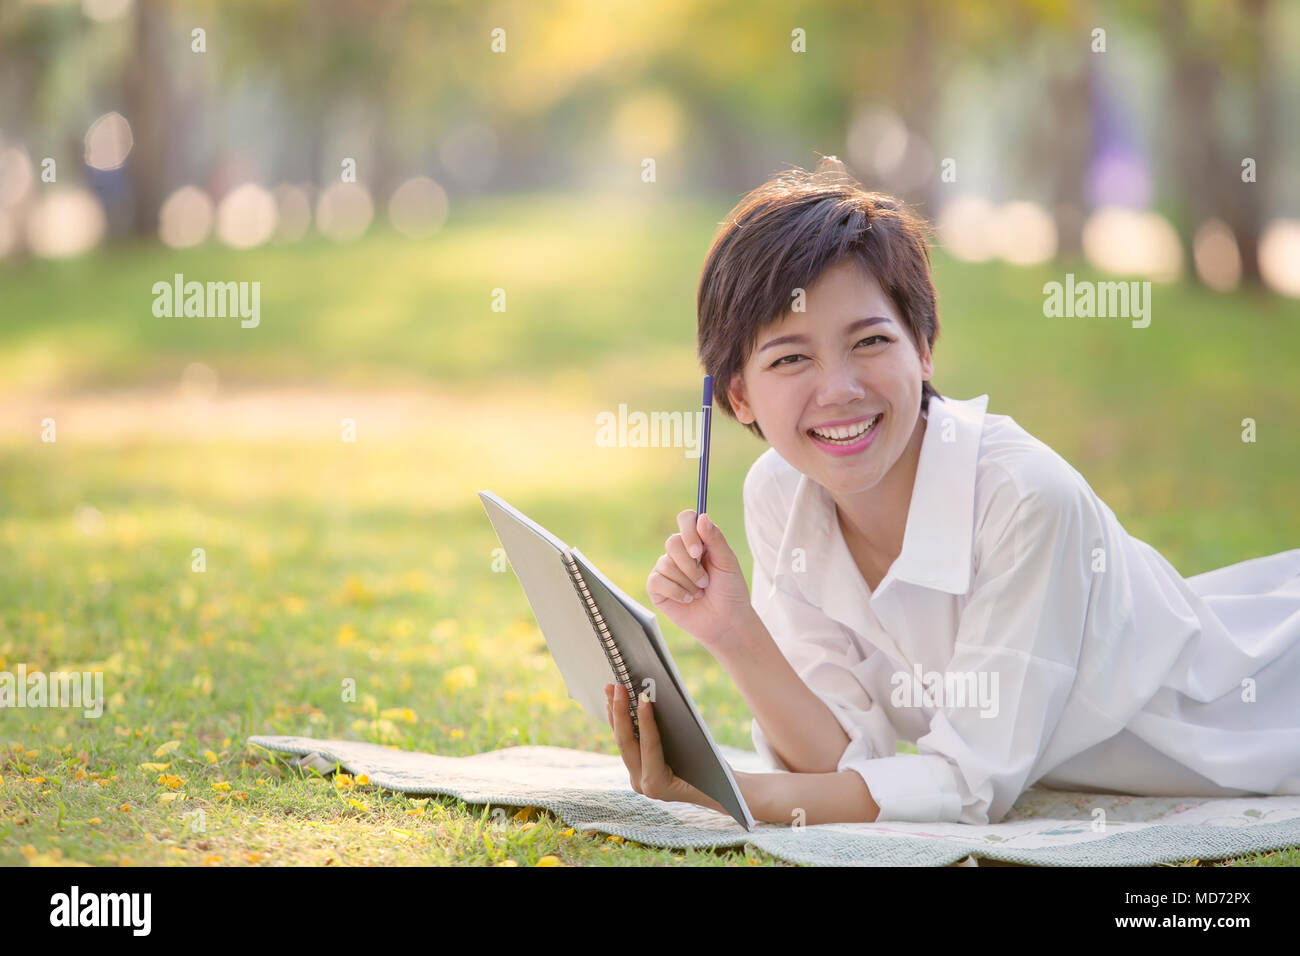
[{"x": 372, "y": 560}]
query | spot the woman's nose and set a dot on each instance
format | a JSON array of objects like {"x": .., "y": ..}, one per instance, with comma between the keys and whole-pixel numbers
[{"x": 839, "y": 385}]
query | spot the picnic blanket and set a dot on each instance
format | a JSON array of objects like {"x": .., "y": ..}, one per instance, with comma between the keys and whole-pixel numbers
[{"x": 590, "y": 791}]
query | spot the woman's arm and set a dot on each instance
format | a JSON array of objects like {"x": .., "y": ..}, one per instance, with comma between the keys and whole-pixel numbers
[
  {"x": 797, "y": 723},
  {"x": 808, "y": 798},
  {"x": 795, "y": 799},
  {"x": 800, "y": 726}
]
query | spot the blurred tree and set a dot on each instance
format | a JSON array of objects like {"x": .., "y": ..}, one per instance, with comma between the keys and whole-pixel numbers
[
  {"x": 391, "y": 79},
  {"x": 146, "y": 90},
  {"x": 1219, "y": 53},
  {"x": 1059, "y": 135}
]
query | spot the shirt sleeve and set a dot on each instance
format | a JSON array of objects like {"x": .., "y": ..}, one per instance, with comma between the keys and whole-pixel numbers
[
  {"x": 822, "y": 651},
  {"x": 1021, "y": 632}
]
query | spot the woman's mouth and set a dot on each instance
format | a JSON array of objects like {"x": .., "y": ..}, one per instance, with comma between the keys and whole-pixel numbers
[{"x": 847, "y": 439}]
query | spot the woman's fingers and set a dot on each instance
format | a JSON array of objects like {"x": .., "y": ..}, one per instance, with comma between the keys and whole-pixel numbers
[
  {"x": 679, "y": 574},
  {"x": 624, "y": 736},
  {"x": 676, "y": 550},
  {"x": 644, "y": 758},
  {"x": 652, "y": 750},
  {"x": 720, "y": 554},
  {"x": 690, "y": 537},
  {"x": 666, "y": 581}
]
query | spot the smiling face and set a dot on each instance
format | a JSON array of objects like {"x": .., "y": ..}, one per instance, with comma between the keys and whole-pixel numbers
[{"x": 817, "y": 378}]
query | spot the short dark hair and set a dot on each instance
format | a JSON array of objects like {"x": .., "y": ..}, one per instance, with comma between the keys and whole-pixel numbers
[{"x": 782, "y": 236}]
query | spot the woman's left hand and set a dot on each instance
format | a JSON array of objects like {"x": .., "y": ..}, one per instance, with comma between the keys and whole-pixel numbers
[{"x": 644, "y": 758}]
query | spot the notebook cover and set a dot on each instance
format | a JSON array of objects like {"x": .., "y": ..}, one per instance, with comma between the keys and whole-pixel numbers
[{"x": 538, "y": 560}]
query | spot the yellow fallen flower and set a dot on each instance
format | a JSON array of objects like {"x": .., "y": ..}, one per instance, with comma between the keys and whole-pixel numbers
[{"x": 460, "y": 678}]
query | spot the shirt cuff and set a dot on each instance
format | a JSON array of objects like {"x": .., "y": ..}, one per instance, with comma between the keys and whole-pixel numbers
[{"x": 918, "y": 788}]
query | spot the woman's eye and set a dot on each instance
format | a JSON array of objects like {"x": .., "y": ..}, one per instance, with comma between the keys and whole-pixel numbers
[{"x": 782, "y": 360}]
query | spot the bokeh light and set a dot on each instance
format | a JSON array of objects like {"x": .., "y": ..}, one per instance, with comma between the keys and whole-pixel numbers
[
  {"x": 344, "y": 211},
  {"x": 965, "y": 228},
  {"x": 1024, "y": 233},
  {"x": 1279, "y": 256},
  {"x": 1215, "y": 254},
  {"x": 293, "y": 208},
  {"x": 877, "y": 140},
  {"x": 108, "y": 141},
  {"x": 418, "y": 208},
  {"x": 880, "y": 144},
  {"x": 103, "y": 11},
  {"x": 186, "y": 218},
  {"x": 246, "y": 216},
  {"x": 1126, "y": 241},
  {"x": 1118, "y": 176},
  {"x": 67, "y": 221},
  {"x": 16, "y": 176}
]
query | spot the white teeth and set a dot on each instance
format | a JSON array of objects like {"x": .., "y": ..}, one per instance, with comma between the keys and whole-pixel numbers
[{"x": 844, "y": 433}]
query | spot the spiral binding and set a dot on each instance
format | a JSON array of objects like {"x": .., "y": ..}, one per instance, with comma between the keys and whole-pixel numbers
[{"x": 606, "y": 639}]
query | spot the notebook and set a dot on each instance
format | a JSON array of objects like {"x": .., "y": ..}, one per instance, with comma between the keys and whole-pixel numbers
[{"x": 597, "y": 634}]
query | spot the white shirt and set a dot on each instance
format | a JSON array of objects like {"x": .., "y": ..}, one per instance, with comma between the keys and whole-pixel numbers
[{"x": 1103, "y": 669}]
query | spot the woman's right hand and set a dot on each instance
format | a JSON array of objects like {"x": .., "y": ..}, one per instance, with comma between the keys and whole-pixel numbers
[{"x": 710, "y": 611}]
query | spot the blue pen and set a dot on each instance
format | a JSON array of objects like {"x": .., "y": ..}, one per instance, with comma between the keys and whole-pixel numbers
[{"x": 702, "y": 493}]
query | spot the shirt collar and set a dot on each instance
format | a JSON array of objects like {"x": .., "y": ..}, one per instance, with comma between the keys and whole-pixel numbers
[{"x": 937, "y": 542}]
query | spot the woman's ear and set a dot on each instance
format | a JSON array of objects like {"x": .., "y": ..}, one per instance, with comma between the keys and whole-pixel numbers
[
  {"x": 736, "y": 396},
  {"x": 927, "y": 362}
]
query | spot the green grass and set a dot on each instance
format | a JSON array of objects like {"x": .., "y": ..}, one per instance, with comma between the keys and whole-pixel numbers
[{"x": 372, "y": 561}]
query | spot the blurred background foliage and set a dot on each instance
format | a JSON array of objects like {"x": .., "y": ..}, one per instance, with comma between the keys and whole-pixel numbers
[
  {"x": 1038, "y": 146},
  {"x": 1025, "y": 97}
]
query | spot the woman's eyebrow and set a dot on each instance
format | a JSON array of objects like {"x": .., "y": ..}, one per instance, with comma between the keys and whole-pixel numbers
[{"x": 854, "y": 326}]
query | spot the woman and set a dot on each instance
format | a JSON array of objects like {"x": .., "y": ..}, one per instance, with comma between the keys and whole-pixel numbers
[{"x": 928, "y": 571}]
